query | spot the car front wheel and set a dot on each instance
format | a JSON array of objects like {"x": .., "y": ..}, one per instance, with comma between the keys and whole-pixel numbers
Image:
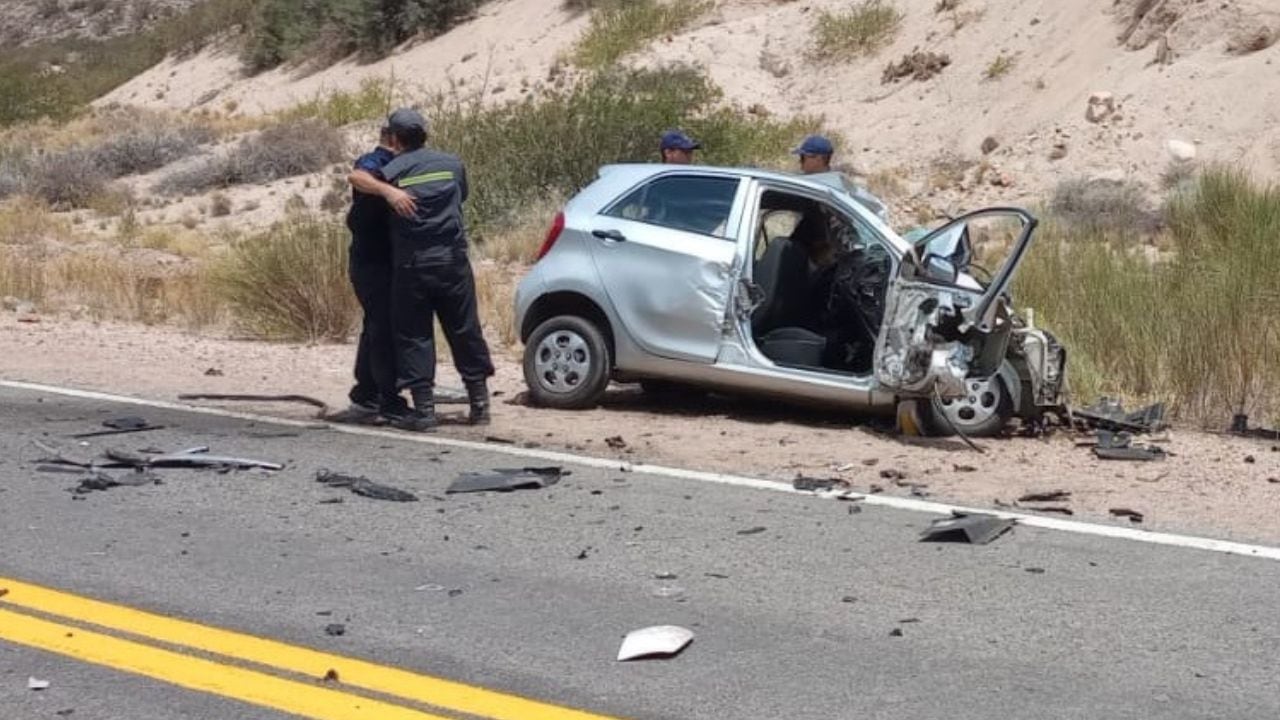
[
  {"x": 983, "y": 412},
  {"x": 566, "y": 363}
]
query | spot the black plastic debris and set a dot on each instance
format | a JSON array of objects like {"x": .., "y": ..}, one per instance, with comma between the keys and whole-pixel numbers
[
  {"x": 615, "y": 442},
  {"x": 507, "y": 479},
  {"x": 322, "y": 408},
  {"x": 335, "y": 629},
  {"x": 1046, "y": 496},
  {"x": 1109, "y": 414},
  {"x": 810, "y": 484},
  {"x": 364, "y": 486},
  {"x": 753, "y": 531},
  {"x": 1133, "y": 515},
  {"x": 120, "y": 426},
  {"x": 976, "y": 529},
  {"x": 1240, "y": 426},
  {"x": 1054, "y": 509},
  {"x": 1120, "y": 446},
  {"x": 99, "y": 481}
]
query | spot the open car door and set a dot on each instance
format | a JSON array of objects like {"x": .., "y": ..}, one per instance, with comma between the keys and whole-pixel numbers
[{"x": 942, "y": 324}]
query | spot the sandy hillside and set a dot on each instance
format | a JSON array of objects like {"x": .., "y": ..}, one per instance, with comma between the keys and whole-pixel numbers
[{"x": 1194, "y": 72}]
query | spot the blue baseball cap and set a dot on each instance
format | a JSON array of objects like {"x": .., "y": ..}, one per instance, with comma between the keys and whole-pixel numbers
[
  {"x": 676, "y": 140},
  {"x": 815, "y": 145}
]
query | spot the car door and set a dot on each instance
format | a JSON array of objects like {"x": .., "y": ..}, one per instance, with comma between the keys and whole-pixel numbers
[
  {"x": 941, "y": 325},
  {"x": 665, "y": 252}
]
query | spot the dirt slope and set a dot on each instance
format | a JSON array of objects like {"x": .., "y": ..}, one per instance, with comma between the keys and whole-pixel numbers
[
  {"x": 23, "y": 22},
  {"x": 1215, "y": 87}
]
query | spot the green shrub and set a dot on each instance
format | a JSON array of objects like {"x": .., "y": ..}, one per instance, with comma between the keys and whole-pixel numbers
[
  {"x": 1103, "y": 205},
  {"x": 859, "y": 30},
  {"x": 1195, "y": 326},
  {"x": 552, "y": 144},
  {"x": 620, "y": 28},
  {"x": 283, "y": 150},
  {"x": 288, "y": 30},
  {"x": 66, "y": 180},
  {"x": 290, "y": 282}
]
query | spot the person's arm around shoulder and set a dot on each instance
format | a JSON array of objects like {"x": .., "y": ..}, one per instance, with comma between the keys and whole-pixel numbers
[
  {"x": 399, "y": 200},
  {"x": 463, "y": 185}
]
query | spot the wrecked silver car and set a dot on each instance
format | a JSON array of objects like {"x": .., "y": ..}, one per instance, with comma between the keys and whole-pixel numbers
[{"x": 793, "y": 287}]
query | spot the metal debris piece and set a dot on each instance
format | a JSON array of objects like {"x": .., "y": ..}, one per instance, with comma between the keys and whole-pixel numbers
[
  {"x": 1240, "y": 426},
  {"x": 321, "y": 412},
  {"x": 809, "y": 484},
  {"x": 1035, "y": 570},
  {"x": 976, "y": 529},
  {"x": 615, "y": 442},
  {"x": 1109, "y": 414},
  {"x": 753, "y": 531},
  {"x": 120, "y": 426},
  {"x": 1133, "y": 515},
  {"x": 660, "y": 641},
  {"x": 507, "y": 479},
  {"x": 37, "y": 684},
  {"x": 1046, "y": 496},
  {"x": 1055, "y": 509},
  {"x": 964, "y": 468},
  {"x": 1120, "y": 446},
  {"x": 335, "y": 629},
  {"x": 364, "y": 486},
  {"x": 100, "y": 481},
  {"x": 896, "y": 632}
]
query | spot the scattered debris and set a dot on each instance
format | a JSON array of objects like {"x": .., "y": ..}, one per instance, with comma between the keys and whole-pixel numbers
[
  {"x": 364, "y": 486},
  {"x": 583, "y": 555},
  {"x": 335, "y": 629},
  {"x": 1133, "y": 515},
  {"x": 753, "y": 531},
  {"x": 507, "y": 479},
  {"x": 100, "y": 481},
  {"x": 718, "y": 576},
  {"x": 213, "y": 372},
  {"x": 964, "y": 468},
  {"x": 321, "y": 412},
  {"x": 896, "y": 632},
  {"x": 664, "y": 576},
  {"x": 891, "y": 474},
  {"x": 1249, "y": 459},
  {"x": 652, "y": 642},
  {"x": 1055, "y": 509},
  {"x": 1046, "y": 496},
  {"x": 37, "y": 684},
  {"x": 808, "y": 484},
  {"x": 1035, "y": 570},
  {"x": 849, "y": 599},
  {"x": 1120, "y": 446},
  {"x": 1240, "y": 427},
  {"x": 976, "y": 529},
  {"x": 331, "y": 676},
  {"x": 1109, "y": 414},
  {"x": 119, "y": 426},
  {"x": 990, "y": 145},
  {"x": 615, "y": 442}
]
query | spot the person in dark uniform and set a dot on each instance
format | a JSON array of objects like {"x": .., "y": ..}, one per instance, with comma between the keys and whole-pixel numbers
[
  {"x": 374, "y": 397},
  {"x": 815, "y": 155},
  {"x": 431, "y": 274},
  {"x": 676, "y": 148}
]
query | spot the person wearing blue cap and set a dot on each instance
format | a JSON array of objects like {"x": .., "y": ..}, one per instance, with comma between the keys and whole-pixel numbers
[
  {"x": 677, "y": 148},
  {"x": 815, "y": 155}
]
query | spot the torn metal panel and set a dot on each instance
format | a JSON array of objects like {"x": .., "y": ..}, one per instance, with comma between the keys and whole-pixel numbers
[
  {"x": 1120, "y": 446},
  {"x": 1109, "y": 414},
  {"x": 910, "y": 355},
  {"x": 506, "y": 480},
  {"x": 808, "y": 484},
  {"x": 364, "y": 486},
  {"x": 657, "y": 641},
  {"x": 974, "y": 529}
]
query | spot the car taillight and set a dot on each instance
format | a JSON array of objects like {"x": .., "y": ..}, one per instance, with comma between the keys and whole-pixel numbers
[{"x": 557, "y": 227}]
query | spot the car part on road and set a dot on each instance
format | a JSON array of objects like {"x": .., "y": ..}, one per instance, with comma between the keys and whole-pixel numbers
[
  {"x": 753, "y": 530},
  {"x": 808, "y": 484},
  {"x": 37, "y": 684},
  {"x": 364, "y": 487},
  {"x": 567, "y": 363},
  {"x": 1120, "y": 446},
  {"x": 506, "y": 480},
  {"x": 1054, "y": 509},
  {"x": 1133, "y": 515},
  {"x": 99, "y": 481},
  {"x": 659, "y": 641},
  {"x": 1046, "y": 496},
  {"x": 975, "y": 529},
  {"x": 120, "y": 426},
  {"x": 335, "y": 629},
  {"x": 321, "y": 412},
  {"x": 1240, "y": 427},
  {"x": 1109, "y": 414}
]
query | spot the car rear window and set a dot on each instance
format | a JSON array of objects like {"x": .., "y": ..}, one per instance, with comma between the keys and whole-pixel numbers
[{"x": 691, "y": 203}]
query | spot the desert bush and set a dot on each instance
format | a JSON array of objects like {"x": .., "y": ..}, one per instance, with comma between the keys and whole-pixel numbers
[
  {"x": 1103, "y": 205},
  {"x": 619, "y": 28},
  {"x": 147, "y": 144},
  {"x": 288, "y": 30},
  {"x": 290, "y": 282},
  {"x": 1195, "y": 327},
  {"x": 280, "y": 151},
  {"x": 15, "y": 166},
  {"x": 859, "y": 30},
  {"x": 66, "y": 180},
  {"x": 553, "y": 143},
  {"x": 1002, "y": 65},
  {"x": 219, "y": 205}
]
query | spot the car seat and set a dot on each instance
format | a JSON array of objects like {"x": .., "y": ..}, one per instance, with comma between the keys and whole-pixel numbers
[{"x": 782, "y": 274}]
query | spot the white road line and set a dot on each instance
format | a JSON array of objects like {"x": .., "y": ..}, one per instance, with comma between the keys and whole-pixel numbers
[{"x": 899, "y": 503}]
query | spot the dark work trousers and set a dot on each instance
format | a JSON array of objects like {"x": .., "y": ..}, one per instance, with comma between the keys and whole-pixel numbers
[
  {"x": 422, "y": 291},
  {"x": 375, "y": 353}
]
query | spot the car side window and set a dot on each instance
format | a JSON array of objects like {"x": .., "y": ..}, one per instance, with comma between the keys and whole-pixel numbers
[{"x": 690, "y": 203}]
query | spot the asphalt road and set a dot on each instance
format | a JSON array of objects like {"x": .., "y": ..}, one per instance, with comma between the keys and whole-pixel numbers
[{"x": 530, "y": 592}]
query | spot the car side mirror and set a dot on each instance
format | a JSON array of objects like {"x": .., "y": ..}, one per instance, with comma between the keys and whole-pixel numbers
[{"x": 940, "y": 270}]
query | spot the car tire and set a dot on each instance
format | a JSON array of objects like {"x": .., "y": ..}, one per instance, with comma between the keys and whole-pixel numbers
[
  {"x": 567, "y": 363},
  {"x": 983, "y": 413}
]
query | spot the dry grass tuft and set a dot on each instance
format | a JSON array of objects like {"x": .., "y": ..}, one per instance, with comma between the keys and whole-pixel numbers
[{"x": 859, "y": 30}]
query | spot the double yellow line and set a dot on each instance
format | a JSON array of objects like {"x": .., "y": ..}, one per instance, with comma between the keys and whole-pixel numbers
[{"x": 224, "y": 672}]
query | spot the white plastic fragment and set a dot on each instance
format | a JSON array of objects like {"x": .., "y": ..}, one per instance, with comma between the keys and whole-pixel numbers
[
  {"x": 35, "y": 684},
  {"x": 657, "y": 641}
]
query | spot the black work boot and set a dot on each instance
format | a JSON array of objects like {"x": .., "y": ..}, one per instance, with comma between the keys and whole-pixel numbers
[
  {"x": 478, "y": 396},
  {"x": 422, "y": 418},
  {"x": 356, "y": 414}
]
